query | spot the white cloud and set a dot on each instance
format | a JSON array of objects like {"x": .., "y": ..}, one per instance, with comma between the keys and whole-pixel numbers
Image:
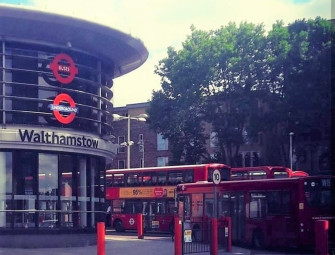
[{"x": 163, "y": 23}]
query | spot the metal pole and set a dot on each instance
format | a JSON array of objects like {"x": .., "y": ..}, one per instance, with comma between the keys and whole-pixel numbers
[
  {"x": 128, "y": 144},
  {"x": 215, "y": 203},
  {"x": 143, "y": 151},
  {"x": 291, "y": 151}
]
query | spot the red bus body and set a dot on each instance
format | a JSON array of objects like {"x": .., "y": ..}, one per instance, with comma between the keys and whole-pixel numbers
[
  {"x": 277, "y": 213},
  {"x": 265, "y": 172},
  {"x": 151, "y": 191}
]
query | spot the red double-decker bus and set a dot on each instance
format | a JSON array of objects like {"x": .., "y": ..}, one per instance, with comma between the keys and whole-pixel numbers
[
  {"x": 265, "y": 212},
  {"x": 151, "y": 191},
  {"x": 264, "y": 172}
]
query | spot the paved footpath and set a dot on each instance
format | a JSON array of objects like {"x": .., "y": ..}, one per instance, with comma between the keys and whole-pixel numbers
[{"x": 127, "y": 244}]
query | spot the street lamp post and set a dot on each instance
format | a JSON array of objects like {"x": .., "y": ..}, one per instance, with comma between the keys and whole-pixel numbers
[
  {"x": 291, "y": 150},
  {"x": 142, "y": 117}
]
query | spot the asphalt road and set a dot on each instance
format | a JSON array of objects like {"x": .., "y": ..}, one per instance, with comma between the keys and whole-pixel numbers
[{"x": 129, "y": 244}]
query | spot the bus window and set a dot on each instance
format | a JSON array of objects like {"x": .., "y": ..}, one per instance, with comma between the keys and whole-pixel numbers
[
  {"x": 147, "y": 181},
  {"x": 188, "y": 176},
  {"x": 197, "y": 205},
  {"x": 184, "y": 207},
  {"x": 171, "y": 207},
  {"x": 161, "y": 178},
  {"x": 109, "y": 180},
  {"x": 175, "y": 177},
  {"x": 209, "y": 207},
  {"x": 318, "y": 198},
  {"x": 133, "y": 179},
  {"x": 257, "y": 175},
  {"x": 154, "y": 178},
  {"x": 118, "y": 180},
  {"x": 224, "y": 205},
  {"x": 278, "y": 202},
  {"x": 280, "y": 174},
  {"x": 257, "y": 205},
  {"x": 161, "y": 208},
  {"x": 145, "y": 208},
  {"x": 117, "y": 206},
  {"x": 240, "y": 175}
]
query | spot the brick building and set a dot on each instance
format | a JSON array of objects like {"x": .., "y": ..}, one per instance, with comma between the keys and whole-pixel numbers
[{"x": 148, "y": 149}]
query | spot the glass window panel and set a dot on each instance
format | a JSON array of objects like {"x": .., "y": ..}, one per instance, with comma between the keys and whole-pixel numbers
[
  {"x": 24, "y": 188},
  {"x": 5, "y": 188},
  {"x": 67, "y": 189},
  {"x": 48, "y": 190},
  {"x": 83, "y": 199}
]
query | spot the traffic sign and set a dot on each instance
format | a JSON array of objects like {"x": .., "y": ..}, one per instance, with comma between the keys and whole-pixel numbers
[{"x": 216, "y": 176}]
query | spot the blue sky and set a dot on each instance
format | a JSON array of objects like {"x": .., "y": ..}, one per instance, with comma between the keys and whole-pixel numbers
[{"x": 163, "y": 23}]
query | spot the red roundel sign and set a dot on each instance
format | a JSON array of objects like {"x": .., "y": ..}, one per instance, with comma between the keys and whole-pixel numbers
[
  {"x": 58, "y": 109},
  {"x": 64, "y": 73}
]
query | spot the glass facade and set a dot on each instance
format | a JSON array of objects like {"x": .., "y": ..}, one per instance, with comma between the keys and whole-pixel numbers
[
  {"x": 43, "y": 189},
  {"x": 48, "y": 190},
  {"x": 30, "y": 86}
]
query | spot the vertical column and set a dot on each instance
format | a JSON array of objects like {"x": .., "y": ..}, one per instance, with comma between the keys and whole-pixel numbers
[
  {"x": 177, "y": 236},
  {"x": 2, "y": 188},
  {"x": 3, "y": 84},
  {"x": 128, "y": 142},
  {"x": 82, "y": 196},
  {"x": 321, "y": 237},
  {"x": 99, "y": 97},
  {"x": 214, "y": 236},
  {"x": 101, "y": 238},
  {"x": 140, "y": 226}
]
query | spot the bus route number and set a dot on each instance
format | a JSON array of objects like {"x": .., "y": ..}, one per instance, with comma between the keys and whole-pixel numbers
[{"x": 216, "y": 176}]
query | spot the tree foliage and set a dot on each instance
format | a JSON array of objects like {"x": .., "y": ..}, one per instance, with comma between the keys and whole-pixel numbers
[{"x": 222, "y": 76}]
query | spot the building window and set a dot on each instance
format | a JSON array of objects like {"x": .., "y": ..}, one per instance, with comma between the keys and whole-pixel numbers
[
  {"x": 121, "y": 149},
  {"x": 162, "y": 161},
  {"x": 162, "y": 144},
  {"x": 121, "y": 164}
]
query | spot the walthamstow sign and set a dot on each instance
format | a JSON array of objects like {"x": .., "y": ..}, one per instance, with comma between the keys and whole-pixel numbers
[{"x": 47, "y": 137}]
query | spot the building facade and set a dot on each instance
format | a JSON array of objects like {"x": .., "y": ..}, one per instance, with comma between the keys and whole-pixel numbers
[
  {"x": 56, "y": 123},
  {"x": 149, "y": 148},
  {"x": 156, "y": 151}
]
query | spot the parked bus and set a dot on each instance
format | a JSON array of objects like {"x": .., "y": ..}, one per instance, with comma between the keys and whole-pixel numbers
[
  {"x": 264, "y": 213},
  {"x": 151, "y": 191},
  {"x": 264, "y": 172}
]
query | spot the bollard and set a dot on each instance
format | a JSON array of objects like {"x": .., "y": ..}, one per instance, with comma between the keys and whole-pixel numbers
[
  {"x": 140, "y": 226},
  {"x": 321, "y": 237},
  {"x": 101, "y": 238},
  {"x": 177, "y": 236},
  {"x": 214, "y": 236}
]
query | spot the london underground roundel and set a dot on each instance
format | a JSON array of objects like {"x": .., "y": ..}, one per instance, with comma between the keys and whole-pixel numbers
[
  {"x": 63, "y": 68},
  {"x": 66, "y": 111}
]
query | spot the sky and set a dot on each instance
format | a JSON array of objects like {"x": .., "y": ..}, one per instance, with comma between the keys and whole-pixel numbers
[{"x": 160, "y": 24}]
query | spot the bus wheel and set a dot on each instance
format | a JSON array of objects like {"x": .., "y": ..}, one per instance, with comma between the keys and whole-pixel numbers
[
  {"x": 258, "y": 239},
  {"x": 118, "y": 226}
]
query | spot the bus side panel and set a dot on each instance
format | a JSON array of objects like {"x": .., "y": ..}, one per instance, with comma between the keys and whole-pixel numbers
[{"x": 129, "y": 221}]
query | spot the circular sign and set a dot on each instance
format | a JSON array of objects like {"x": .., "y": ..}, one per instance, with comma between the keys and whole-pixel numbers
[
  {"x": 57, "y": 108},
  {"x": 216, "y": 176},
  {"x": 63, "y": 73},
  {"x": 131, "y": 221}
]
